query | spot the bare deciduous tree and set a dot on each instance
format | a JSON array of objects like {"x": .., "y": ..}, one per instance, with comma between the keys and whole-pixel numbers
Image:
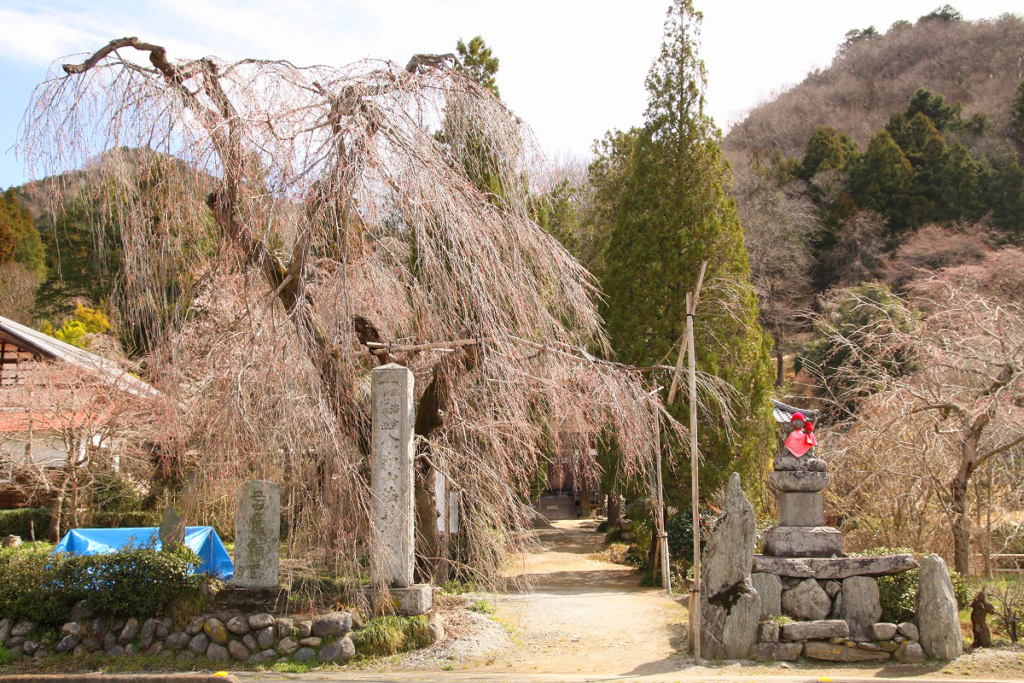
[
  {"x": 345, "y": 233},
  {"x": 961, "y": 408}
]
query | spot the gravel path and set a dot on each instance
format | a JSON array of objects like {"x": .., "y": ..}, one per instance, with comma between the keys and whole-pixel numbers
[{"x": 582, "y": 613}]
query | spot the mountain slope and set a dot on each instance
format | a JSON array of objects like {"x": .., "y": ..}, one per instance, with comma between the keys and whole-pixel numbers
[{"x": 977, "y": 63}]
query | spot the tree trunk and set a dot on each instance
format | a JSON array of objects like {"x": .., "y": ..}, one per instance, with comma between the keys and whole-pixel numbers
[
  {"x": 614, "y": 509},
  {"x": 779, "y": 375},
  {"x": 961, "y": 526},
  {"x": 959, "y": 494},
  {"x": 56, "y": 509}
]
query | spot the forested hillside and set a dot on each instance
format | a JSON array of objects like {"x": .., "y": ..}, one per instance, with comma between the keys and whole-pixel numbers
[
  {"x": 922, "y": 126},
  {"x": 976, "y": 63}
]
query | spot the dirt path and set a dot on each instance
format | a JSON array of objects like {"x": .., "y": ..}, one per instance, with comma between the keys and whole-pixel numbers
[{"x": 584, "y": 614}]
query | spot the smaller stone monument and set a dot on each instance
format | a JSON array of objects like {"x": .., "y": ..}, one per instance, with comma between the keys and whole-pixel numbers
[
  {"x": 256, "y": 584},
  {"x": 172, "y": 529},
  {"x": 257, "y": 535}
]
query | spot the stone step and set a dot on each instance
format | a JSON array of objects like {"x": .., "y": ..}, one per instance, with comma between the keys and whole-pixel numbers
[{"x": 833, "y": 567}]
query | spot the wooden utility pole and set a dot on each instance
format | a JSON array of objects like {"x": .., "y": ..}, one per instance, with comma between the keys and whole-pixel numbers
[
  {"x": 691, "y": 304},
  {"x": 666, "y": 575},
  {"x": 691, "y": 308}
]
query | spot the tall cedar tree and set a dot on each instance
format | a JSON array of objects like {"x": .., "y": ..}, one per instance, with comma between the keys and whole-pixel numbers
[{"x": 675, "y": 213}]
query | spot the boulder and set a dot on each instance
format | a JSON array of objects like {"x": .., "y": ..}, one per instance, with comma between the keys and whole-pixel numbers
[
  {"x": 910, "y": 653},
  {"x": 109, "y": 640},
  {"x": 340, "y": 650},
  {"x": 130, "y": 631},
  {"x": 936, "y": 611},
  {"x": 332, "y": 624},
  {"x": 218, "y": 653},
  {"x": 842, "y": 653},
  {"x": 148, "y": 632},
  {"x": 730, "y": 606},
  {"x": 199, "y": 643},
  {"x": 312, "y": 641},
  {"x": 250, "y": 642},
  {"x": 287, "y": 646},
  {"x": 116, "y": 651},
  {"x": 238, "y": 625},
  {"x": 72, "y": 628},
  {"x": 5, "y": 630},
  {"x": 163, "y": 628},
  {"x": 238, "y": 651},
  {"x": 776, "y": 652},
  {"x": 729, "y": 553},
  {"x": 769, "y": 587},
  {"x": 814, "y": 630},
  {"x": 99, "y": 626},
  {"x": 837, "y": 607},
  {"x": 23, "y": 628},
  {"x": 216, "y": 631},
  {"x": 66, "y": 644},
  {"x": 861, "y": 607},
  {"x": 304, "y": 654},
  {"x": 177, "y": 641},
  {"x": 883, "y": 631},
  {"x": 909, "y": 630},
  {"x": 305, "y": 628},
  {"x": 260, "y": 621},
  {"x": 807, "y": 602},
  {"x": 195, "y": 626},
  {"x": 833, "y": 567},
  {"x": 768, "y": 632},
  {"x": 265, "y": 638},
  {"x": 284, "y": 626},
  {"x": 262, "y": 657},
  {"x": 30, "y": 647},
  {"x": 729, "y": 622},
  {"x": 92, "y": 643},
  {"x": 10, "y": 541},
  {"x": 131, "y": 649},
  {"x": 436, "y": 629},
  {"x": 832, "y": 588}
]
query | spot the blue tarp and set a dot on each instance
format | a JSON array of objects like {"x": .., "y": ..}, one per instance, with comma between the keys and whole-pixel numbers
[{"x": 203, "y": 540}]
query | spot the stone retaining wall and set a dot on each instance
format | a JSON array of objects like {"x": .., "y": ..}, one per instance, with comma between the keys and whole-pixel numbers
[
  {"x": 830, "y": 640},
  {"x": 255, "y": 638}
]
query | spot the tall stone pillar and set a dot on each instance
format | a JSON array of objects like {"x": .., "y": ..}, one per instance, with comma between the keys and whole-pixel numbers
[
  {"x": 257, "y": 535},
  {"x": 394, "y": 417}
]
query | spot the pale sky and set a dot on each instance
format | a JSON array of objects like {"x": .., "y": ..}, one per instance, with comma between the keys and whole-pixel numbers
[{"x": 572, "y": 69}]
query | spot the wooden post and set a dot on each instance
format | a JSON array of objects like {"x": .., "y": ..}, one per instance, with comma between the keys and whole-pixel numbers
[
  {"x": 695, "y": 486},
  {"x": 666, "y": 576},
  {"x": 686, "y": 346}
]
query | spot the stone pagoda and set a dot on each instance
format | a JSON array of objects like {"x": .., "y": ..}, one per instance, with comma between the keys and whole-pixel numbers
[{"x": 801, "y": 531}]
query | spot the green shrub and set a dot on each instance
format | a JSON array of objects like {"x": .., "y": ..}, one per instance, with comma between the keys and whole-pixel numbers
[
  {"x": 481, "y": 606},
  {"x": 457, "y": 587},
  {"x": 135, "y": 582},
  {"x": 5, "y": 656},
  {"x": 641, "y": 546},
  {"x": 19, "y": 522},
  {"x": 385, "y": 636},
  {"x": 898, "y": 592}
]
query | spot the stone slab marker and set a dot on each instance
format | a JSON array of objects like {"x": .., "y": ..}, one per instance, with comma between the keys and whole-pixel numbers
[
  {"x": 257, "y": 535},
  {"x": 394, "y": 417}
]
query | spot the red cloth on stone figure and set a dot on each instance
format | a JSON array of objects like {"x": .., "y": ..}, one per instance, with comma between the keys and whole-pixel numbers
[{"x": 800, "y": 441}]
